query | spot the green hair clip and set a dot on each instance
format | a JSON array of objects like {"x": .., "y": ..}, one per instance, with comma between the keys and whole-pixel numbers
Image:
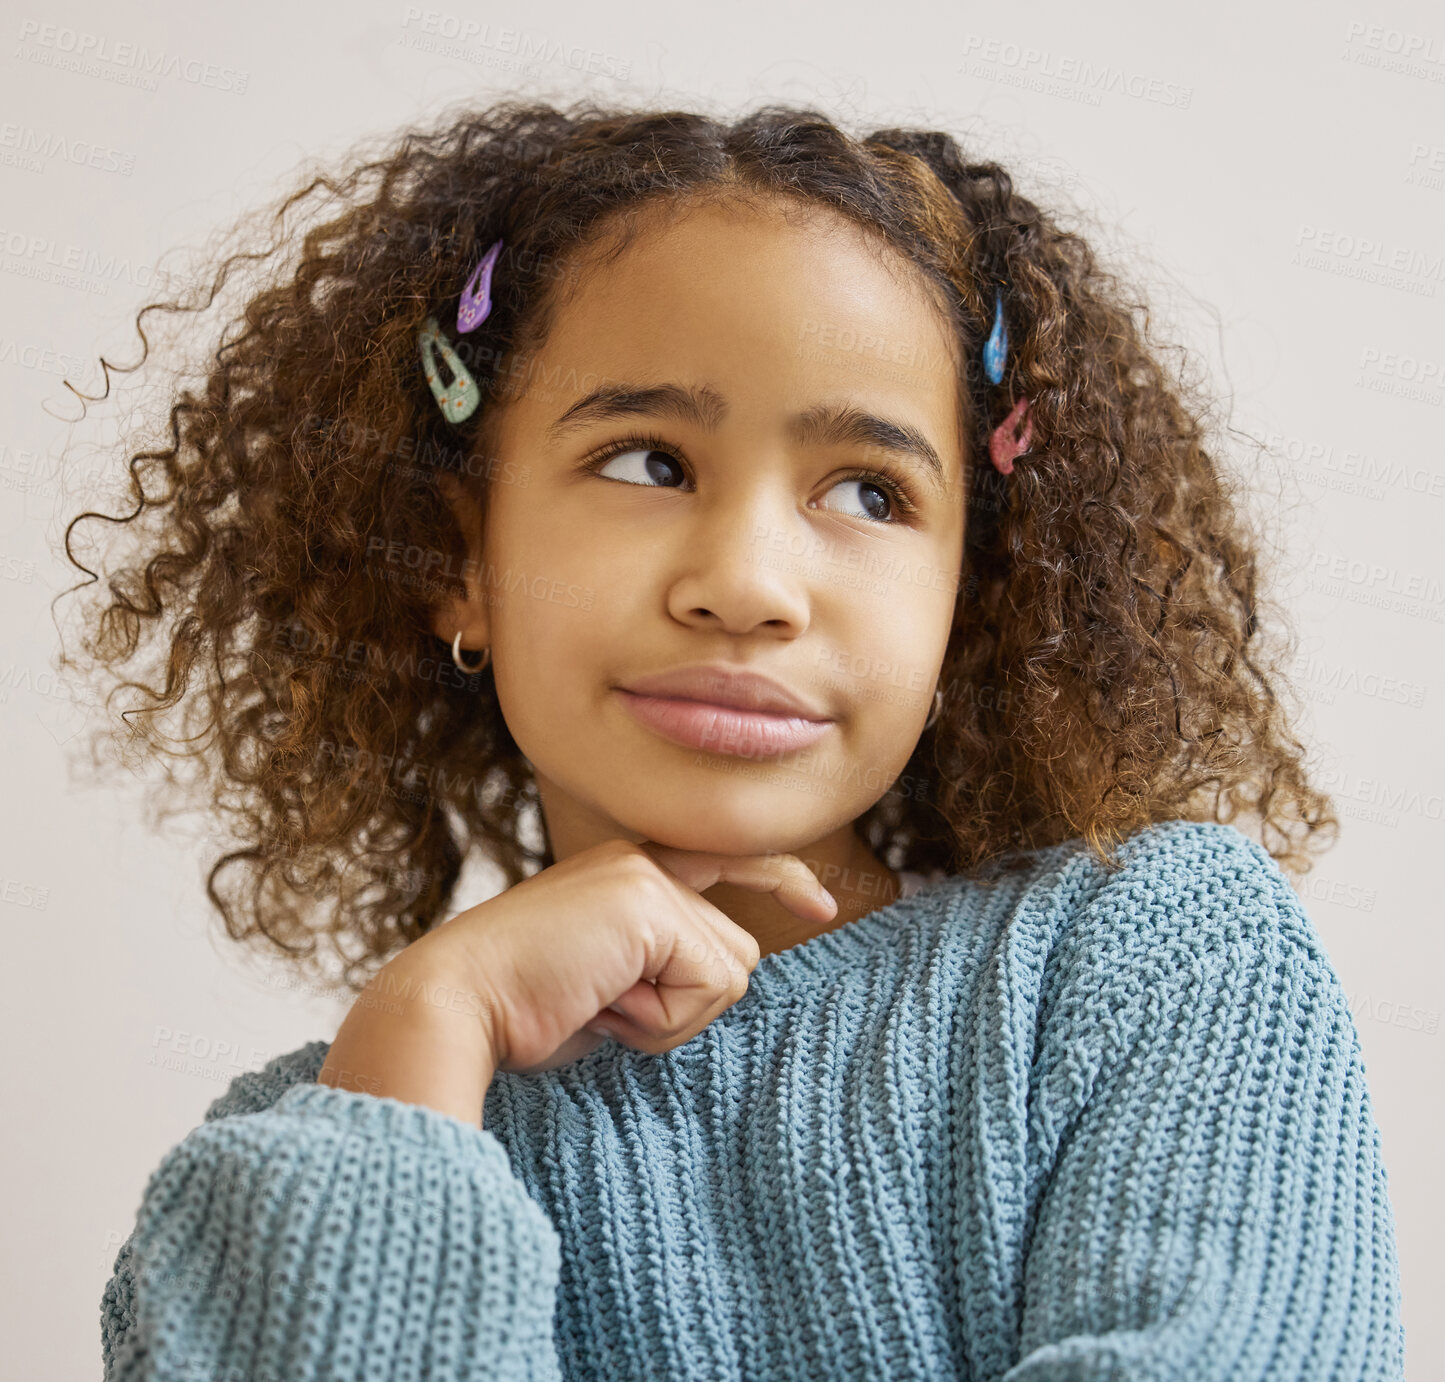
[{"x": 458, "y": 400}]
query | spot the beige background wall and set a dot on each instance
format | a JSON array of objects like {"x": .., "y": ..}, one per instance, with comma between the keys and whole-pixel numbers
[{"x": 1278, "y": 170}]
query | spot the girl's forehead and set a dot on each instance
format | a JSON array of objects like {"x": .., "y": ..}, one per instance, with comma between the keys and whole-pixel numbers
[
  {"x": 774, "y": 308},
  {"x": 789, "y": 234},
  {"x": 739, "y": 278}
]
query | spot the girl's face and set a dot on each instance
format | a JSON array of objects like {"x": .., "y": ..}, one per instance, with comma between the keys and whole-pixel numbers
[{"x": 726, "y": 533}]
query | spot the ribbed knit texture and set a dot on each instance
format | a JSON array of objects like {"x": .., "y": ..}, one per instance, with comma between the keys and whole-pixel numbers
[{"x": 1076, "y": 1126}]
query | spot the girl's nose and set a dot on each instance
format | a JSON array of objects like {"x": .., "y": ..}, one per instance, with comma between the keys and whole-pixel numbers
[{"x": 747, "y": 562}]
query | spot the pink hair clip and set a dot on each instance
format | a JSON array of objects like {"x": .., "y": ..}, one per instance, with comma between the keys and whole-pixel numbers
[
  {"x": 1005, "y": 443},
  {"x": 476, "y": 304}
]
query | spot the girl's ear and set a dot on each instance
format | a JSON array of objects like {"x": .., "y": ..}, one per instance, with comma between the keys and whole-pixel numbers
[{"x": 468, "y": 614}]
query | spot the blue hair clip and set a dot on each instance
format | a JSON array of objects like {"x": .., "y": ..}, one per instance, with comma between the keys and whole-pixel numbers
[
  {"x": 995, "y": 351},
  {"x": 1014, "y": 435}
]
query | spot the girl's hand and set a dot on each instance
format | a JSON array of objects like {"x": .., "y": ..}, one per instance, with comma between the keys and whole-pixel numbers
[{"x": 614, "y": 937}]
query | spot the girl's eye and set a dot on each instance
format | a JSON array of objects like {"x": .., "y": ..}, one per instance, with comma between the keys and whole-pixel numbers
[
  {"x": 640, "y": 465},
  {"x": 651, "y": 462},
  {"x": 879, "y": 493}
]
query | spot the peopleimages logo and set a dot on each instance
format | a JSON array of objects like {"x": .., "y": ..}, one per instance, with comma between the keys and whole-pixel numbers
[
  {"x": 1073, "y": 78},
  {"x": 450, "y": 35},
  {"x": 26, "y": 147},
  {"x": 40, "y": 257},
  {"x": 1393, "y": 50},
  {"x": 97, "y": 55},
  {"x": 1371, "y": 261}
]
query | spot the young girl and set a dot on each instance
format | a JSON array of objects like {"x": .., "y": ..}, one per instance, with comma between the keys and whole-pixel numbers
[{"x": 784, "y": 555}]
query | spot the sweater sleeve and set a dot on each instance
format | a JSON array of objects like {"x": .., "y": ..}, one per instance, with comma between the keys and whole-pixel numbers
[
  {"x": 1212, "y": 1203},
  {"x": 334, "y": 1235}
]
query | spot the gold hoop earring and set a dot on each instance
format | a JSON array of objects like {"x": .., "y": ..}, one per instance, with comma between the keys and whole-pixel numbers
[
  {"x": 457, "y": 655},
  {"x": 937, "y": 706}
]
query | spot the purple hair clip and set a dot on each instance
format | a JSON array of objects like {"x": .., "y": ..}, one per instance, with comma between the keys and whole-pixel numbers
[{"x": 476, "y": 304}]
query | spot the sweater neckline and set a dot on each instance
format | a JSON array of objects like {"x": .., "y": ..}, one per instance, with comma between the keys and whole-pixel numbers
[
  {"x": 777, "y": 978},
  {"x": 781, "y": 973}
]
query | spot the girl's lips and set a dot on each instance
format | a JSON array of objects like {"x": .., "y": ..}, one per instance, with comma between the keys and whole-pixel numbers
[{"x": 723, "y": 728}]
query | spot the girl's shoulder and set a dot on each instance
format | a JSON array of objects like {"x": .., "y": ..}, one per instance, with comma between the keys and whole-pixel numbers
[
  {"x": 1199, "y": 886},
  {"x": 1203, "y": 887}
]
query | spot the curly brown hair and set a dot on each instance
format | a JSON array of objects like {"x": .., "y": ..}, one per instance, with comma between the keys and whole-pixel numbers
[{"x": 1103, "y": 671}]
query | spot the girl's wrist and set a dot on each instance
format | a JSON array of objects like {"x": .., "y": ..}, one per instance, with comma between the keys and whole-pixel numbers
[{"x": 413, "y": 1034}]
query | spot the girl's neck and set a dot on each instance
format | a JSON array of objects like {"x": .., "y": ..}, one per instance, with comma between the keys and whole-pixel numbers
[
  {"x": 841, "y": 861},
  {"x": 862, "y": 886}
]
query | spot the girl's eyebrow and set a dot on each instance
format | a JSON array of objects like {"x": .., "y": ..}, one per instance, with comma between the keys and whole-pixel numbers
[{"x": 824, "y": 424}]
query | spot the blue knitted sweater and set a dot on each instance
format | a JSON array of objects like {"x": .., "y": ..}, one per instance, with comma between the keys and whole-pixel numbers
[{"x": 1077, "y": 1124}]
